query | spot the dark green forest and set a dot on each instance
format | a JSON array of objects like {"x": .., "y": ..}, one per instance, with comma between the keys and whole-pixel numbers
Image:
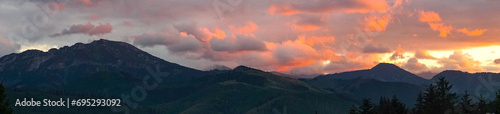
[{"x": 436, "y": 99}]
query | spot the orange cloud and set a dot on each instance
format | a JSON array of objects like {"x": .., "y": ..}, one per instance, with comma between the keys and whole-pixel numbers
[
  {"x": 307, "y": 27},
  {"x": 250, "y": 27},
  {"x": 370, "y": 5},
  {"x": 398, "y": 54},
  {"x": 183, "y": 34},
  {"x": 435, "y": 22},
  {"x": 460, "y": 61},
  {"x": 477, "y": 32},
  {"x": 305, "y": 51},
  {"x": 443, "y": 29},
  {"x": 429, "y": 16},
  {"x": 315, "y": 40},
  {"x": 374, "y": 23},
  {"x": 219, "y": 34},
  {"x": 282, "y": 10},
  {"x": 292, "y": 54},
  {"x": 423, "y": 55}
]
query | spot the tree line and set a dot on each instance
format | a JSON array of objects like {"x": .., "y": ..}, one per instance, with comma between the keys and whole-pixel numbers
[{"x": 436, "y": 99}]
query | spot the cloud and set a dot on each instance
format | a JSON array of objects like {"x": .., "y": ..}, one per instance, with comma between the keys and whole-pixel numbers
[
  {"x": 496, "y": 61},
  {"x": 429, "y": 16},
  {"x": 413, "y": 65},
  {"x": 329, "y": 6},
  {"x": 377, "y": 23},
  {"x": 89, "y": 29},
  {"x": 240, "y": 43},
  {"x": 250, "y": 27},
  {"x": 347, "y": 65},
  {"x": 151, "y": 39},
  {"x": 460, "y": 61},
  {"x": 477, "y": 32},
  {"x": 57, "y": 6},
  {"x": 376, "y": 49},
  {"x": 398, "y": 54},
  {"x": 293, "y": 54},
  {"x": 6, "y": 46},
  {"x": 309, "y": 23},
  {"x": 435, "y": 22},
  {"x": 94, "y": 17},
  {"x": 127, "y": 23},
  {"x": 423, "y": 55},
  {"x": 283, "y": 10},
  {"x": 186, "y": 45},
  {"x": 174, "y": 42},
  {"x": 293, "y": 35},
  {"x": 200, "y": 33}
]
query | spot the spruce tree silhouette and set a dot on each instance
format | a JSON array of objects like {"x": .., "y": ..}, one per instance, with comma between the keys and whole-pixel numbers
[
  {"x": 367, "y": 107},
  {"x": 4, "y": 103},
  {"x": 466, "y": 104},
  {"x": 445, "y": 97},
  {"x": 354, "y": 110}
]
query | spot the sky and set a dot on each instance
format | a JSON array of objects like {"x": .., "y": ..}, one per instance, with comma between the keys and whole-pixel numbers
[{"x": 298, "y": 37}]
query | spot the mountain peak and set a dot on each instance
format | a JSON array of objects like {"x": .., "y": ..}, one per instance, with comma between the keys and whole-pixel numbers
[
  {"x": 104, "y": 41},
  {"x": 245, "y": 68},
  {"x": 97, "y": 56},
  {"x": 241, "y": 67},
  {"x": 453, "y": 73},
  {"x": 385, "y": 72},
  {"x": 386, "y": 66}
]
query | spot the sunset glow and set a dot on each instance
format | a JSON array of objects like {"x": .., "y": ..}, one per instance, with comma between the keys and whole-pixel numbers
[{"x": 291, "y": 36}]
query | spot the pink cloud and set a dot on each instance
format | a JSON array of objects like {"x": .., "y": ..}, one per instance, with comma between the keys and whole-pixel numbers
[{"x": 89, "y": 29}]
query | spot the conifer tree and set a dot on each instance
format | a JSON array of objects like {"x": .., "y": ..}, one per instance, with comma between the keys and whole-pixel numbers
[
  {"x": 354, "y": 110},
  {"x": 367, "y": 107},
  {"x": 495, "y": 104},
  {"x": 4, "y": 103},
  {"x": 398, "y": 107},
  {"x": 466, "y": 104},
  {"x": 444, "y": 96},
  {"x": 481, "y": 105},
  {"x": 419, "y": 107}
]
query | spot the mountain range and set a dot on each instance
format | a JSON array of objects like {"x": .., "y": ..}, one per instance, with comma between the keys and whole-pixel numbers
[{"x": 111, "y": 69}]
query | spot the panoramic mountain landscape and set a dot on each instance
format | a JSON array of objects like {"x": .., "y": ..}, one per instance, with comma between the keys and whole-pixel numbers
[
  {"x": 249, "y": 57},
  {"x": 113, "y": 71},
  {"x": 115, "y": 68}
]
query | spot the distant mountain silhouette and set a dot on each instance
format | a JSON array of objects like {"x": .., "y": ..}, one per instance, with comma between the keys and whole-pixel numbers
[
  {"x": 34, "y": 68},
  {"x": 248, "y": 90},
  {"x": 384, "y": 72},
  {"x": 475, "y": 83},
  {"x": 110, "y": 69}
]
